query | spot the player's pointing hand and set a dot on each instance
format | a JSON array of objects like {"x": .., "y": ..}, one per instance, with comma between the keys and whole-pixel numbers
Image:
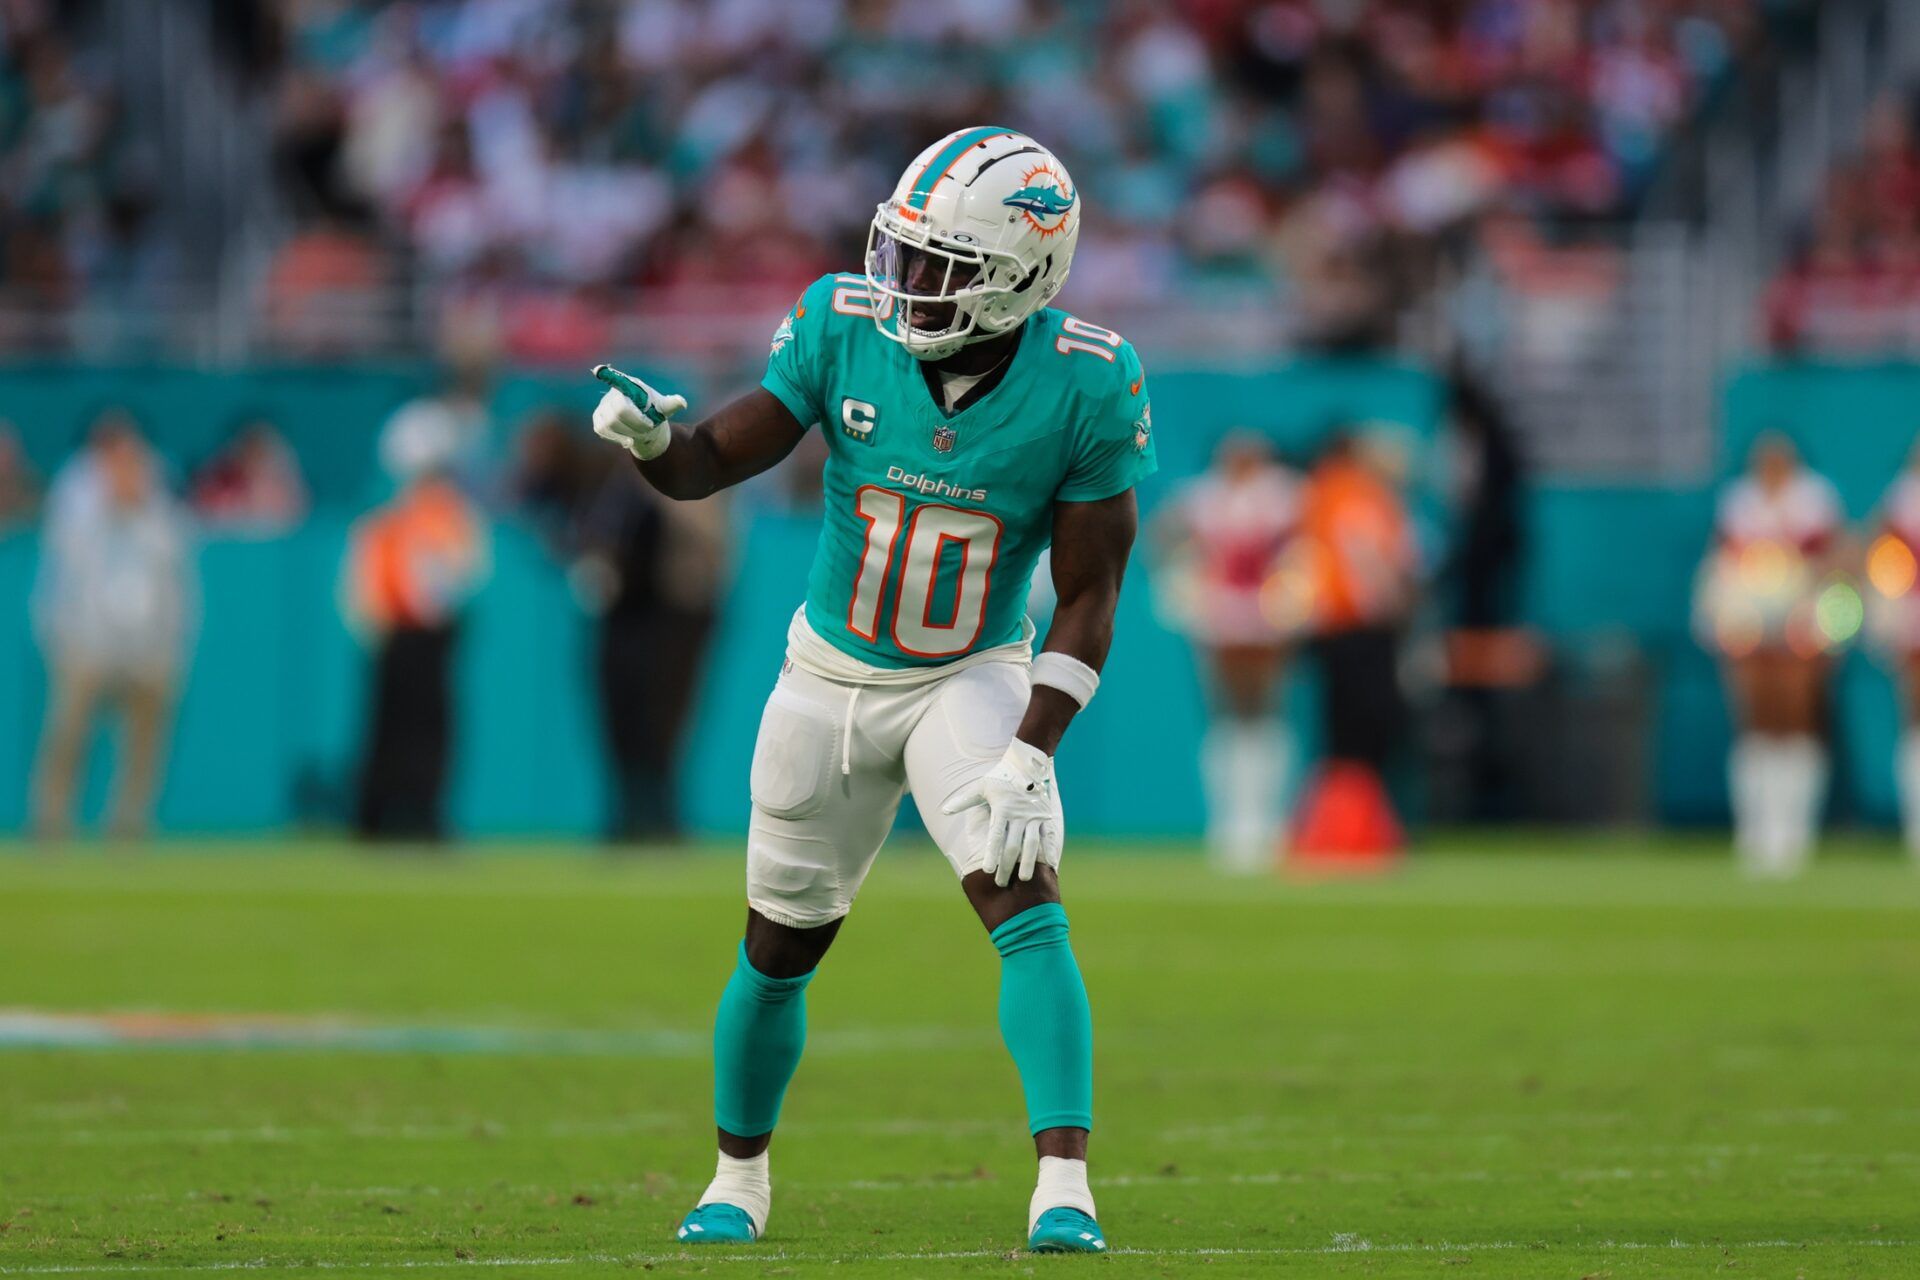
[
  {"x": 634, "y": 415},
  {"x": 1023, "y": 818}
]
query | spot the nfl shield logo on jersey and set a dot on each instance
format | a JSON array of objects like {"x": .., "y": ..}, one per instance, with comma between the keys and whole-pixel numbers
[{"x": 943, "y": 438}]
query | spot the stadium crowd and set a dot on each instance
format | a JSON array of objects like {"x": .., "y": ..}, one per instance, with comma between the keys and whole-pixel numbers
[
  {"x": 719, "y": 155},
  {"x": 1853, "y": 284}
]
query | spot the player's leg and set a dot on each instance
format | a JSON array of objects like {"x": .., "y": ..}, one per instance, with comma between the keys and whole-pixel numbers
[
  {"x": 77, "y": 690},
  {"x": 1751, "y": 764},
  {"x": 1779, "y": 763},
  {"x": 822, "y": 805},
  {"x": 1044, "y": 1016},
  {"x": 1907, "y": 764},
  {"x": 759, "y": 1032},
  {"x": 145, "y": 709},
  {"x": 1047, "y": 1024},
  {"x": 1803, "y": 754},
  {"x": 1246, "y": 757}
]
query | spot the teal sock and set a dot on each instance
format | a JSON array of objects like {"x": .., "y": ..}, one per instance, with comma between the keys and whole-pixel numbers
[
  {"x": 1045, "y": 1019},
  {"x": 757, "y": 1038}
]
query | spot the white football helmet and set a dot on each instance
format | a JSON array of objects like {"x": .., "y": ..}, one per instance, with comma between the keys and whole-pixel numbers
[{"x": 984, "y": 219}]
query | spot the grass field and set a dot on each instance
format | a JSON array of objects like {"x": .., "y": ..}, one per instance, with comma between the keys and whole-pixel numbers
[{"x": 1523, "y": 1057}]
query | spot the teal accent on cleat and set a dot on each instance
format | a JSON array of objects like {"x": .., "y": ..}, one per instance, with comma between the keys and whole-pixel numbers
[
  {"x": 718, "y": 1224},
  {"x": 1066, "y": 1231}
]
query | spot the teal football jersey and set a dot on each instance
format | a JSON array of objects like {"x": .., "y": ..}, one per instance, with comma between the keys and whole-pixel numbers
[{"x": 934, "y": 520}]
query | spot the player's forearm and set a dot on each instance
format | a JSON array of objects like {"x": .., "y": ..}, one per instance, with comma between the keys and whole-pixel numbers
[
  {"x": 690, "y": 468},
  {"x": 744, "y": 438},
  {"x": 1091, "y": 541},
  {"x": 1082, "y": 630}
]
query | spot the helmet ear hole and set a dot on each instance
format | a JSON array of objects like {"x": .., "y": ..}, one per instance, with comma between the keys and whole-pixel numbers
[{"x": 1034, "y": 274}]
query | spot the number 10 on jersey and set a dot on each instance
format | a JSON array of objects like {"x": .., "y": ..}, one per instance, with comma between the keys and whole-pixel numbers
[{"x": 934, "y": 534}]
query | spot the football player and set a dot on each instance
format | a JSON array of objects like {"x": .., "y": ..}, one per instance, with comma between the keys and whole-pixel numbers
[{"x": 968, "y": 426}]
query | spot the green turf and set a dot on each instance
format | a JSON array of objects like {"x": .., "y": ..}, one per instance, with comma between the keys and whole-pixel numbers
[{"x": 1530, "y": 1057}]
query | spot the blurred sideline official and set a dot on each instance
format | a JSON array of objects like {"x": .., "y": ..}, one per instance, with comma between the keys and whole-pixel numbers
[
  {"x": 1364, "y": 575},
  {"x": 412, "y": 564},
  {"x": 1356, "y": 523},
  {"x": 113, "y": 608}
]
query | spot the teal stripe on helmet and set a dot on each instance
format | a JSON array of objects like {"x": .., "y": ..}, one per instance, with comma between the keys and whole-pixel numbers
[{"x": 937, "y": 167}]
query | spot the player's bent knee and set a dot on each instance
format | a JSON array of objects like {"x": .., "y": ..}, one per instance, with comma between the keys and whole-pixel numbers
[
  {"x": 792, "y": 876},
  {"x": 786, "y": 951},
  {"x": 997, "y": 904}
]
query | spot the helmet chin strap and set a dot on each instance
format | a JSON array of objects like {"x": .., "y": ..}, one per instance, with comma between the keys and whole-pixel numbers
[
  {"x": 944, "y": 352},
  {"x": 943, "y": 348}
]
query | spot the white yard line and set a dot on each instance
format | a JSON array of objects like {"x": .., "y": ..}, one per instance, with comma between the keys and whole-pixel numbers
[
  {"x": 149, "y": 1030},
  {"x": 1341, "y": 1244}
]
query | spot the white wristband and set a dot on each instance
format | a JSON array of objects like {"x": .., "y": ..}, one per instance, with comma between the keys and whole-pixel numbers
[{"x": 1066, "y": 673}]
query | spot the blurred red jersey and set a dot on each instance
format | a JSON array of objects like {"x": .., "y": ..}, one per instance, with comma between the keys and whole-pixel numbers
[{"x": 1238, "y": 530}]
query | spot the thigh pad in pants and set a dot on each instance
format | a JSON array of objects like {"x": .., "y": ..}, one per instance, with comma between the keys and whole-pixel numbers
[{"x": 816, "y": 825}]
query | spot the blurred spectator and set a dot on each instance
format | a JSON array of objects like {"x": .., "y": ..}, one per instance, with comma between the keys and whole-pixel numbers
[
  {"x": 720, "y": 155},
  {"x": 114, "y": 607},
  {"x": 553, "y": 474},
  {"x": 1777, "y": 533},
  {"x": 1488, "y": 490},
  {"x": 412, "y": 565},
  {"x": 1488, "y": 653},
  {"x": 77, "y": 191},
  {"x": 1234, "y": 574},
  {"x": 19, "y": 484},
  {"x": 1854, "y": 284},
  {"x": 252, "y": 485},
  {"x": 651, "y": 572},
  {"x": 458, "y": 411},
  {"x": 661, "y": 567},
  {"x": 553, "y": 157},
  {"x": 324, "y": 288}
]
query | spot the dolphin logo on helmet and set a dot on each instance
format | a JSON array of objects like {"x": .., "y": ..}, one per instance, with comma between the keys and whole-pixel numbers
[{"x": 1045, "y": 200}]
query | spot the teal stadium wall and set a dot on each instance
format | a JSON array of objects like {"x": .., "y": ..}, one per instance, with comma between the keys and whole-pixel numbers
[{"x": 270, "y": 718}]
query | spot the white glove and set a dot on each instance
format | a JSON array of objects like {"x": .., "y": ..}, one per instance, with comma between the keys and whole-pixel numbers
[
  {"x": 634, "y": 415},
  {"x": 1023, "y": 822}
]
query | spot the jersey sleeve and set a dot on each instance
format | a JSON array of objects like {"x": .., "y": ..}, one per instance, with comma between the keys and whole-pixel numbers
[
  {"x": 797, "y": 362},
  {"x": 1114, "y": 447}
]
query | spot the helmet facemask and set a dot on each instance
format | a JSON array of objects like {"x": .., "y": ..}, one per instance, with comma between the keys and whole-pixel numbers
[{"x": 913, "y": 270}]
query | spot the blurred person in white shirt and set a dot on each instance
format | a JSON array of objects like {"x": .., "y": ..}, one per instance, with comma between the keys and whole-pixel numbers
[
  {"x": 1777, "y": 537},
  {"x": 114, "y": 609},
  {"x": 1231, "y": 578}
]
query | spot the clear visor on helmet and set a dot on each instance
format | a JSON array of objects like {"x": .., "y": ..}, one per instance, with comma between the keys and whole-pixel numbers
[
  {"x": 928, "y": 287},
  {"x": 921, "y": 272}
]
